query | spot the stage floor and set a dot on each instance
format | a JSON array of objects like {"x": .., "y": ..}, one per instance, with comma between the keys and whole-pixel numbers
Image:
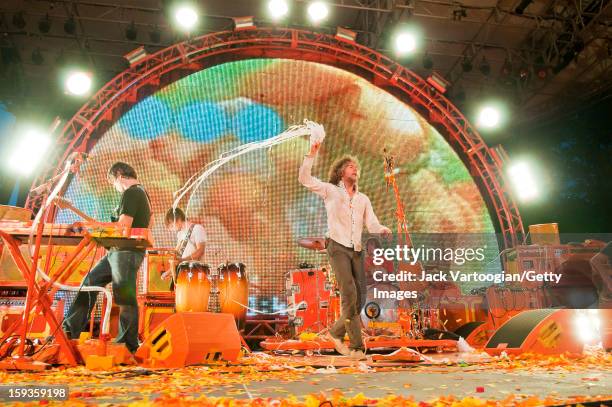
[{"x": 261, "y": 379}]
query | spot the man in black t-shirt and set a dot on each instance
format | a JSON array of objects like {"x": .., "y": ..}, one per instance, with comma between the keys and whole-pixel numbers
[{"x": 119, "y": 266}]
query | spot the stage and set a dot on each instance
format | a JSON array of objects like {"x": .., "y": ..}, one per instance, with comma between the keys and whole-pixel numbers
[{"x": 262, "y": 379}]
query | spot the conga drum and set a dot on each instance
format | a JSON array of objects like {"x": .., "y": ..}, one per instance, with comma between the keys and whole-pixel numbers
[
  {"x": 233, "y": 287},
  {"x": 192, "y": 289}
]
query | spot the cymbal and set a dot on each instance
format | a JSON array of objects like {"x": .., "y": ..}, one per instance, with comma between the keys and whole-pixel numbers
[{"x": 313, "y": 243}]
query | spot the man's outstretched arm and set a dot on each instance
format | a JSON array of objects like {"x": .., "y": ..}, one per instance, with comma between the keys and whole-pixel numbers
[{"x": 305, "y": 175}]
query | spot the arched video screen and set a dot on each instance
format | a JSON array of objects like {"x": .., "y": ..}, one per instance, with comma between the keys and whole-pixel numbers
[{"x": 254, "y": 209}]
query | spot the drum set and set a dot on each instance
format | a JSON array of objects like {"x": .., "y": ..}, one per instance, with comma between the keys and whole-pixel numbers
[{"x": 381, "y": 316}]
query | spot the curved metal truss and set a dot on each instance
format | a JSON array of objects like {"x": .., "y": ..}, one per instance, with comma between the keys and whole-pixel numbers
[{"x": 179, "y": 60}]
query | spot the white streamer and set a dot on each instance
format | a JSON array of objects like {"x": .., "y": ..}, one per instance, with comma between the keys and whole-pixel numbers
[{"x": 315, "y": 130}]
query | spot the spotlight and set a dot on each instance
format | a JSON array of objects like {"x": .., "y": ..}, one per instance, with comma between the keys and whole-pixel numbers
[
  {"x": 19, "y": 21},
  {"x": 78, "y": 83},
  {"x": 466, "y": 64},
  {"x": 459, "y": 13},
  {"x": 155, "y": 35},
  {"x": 131, "y": 33},
  {"x": 489, "y": 117},
  {"x": 427, "y": 61},
  {"x": 405, "y": 43},
  {"x": 484, "y": 67},
  {"x": 70, "y": 26},
  {"x": 278, "y": 9},
  {"x": 44, "y": 25},
  {"x": 186, "y": 17},
  {"x": 523, "y": 181},
  {"x": 542, "y": 72},
  {"x": 318, "y": 11},
  {"x": 37, "y": 58},
  {"x": 29, "y": 151}
]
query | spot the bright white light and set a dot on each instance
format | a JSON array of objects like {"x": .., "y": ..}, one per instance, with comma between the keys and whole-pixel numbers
[
  {"x": 186, "y": 17},
  {"x": 318, "y": 11},
  {"x": 29, "y": 151},
  {"x": 523, "y": 180},
  {"x": 278, "y": 8},
  {"x": 405, "y": 43},
  {"x": 489, "y": 117},
  {"x": 78, "y": 83}
]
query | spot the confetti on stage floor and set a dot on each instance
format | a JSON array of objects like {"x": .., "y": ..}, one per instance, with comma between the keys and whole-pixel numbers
[{"x": 270, "y": 380}]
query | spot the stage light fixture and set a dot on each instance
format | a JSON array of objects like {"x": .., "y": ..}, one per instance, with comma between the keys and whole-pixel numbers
[
  {"x": 44, "y": 25},
  {"x": 155, "y": 35},
  {"x": 243, "y": 23},
  {"x": 523, "y": 181},
  {"x": 37, "y": 57},
  {"x": 484, "y": 67},
  {"x": 135, "y": 56},
  {"x": 318, "y": 11},
  {"x": 186, "y": 17},
  {"x": 346, "y": 34},
  {"x": 278, "y": 9},
  {"x": 78, "y": 83},
  {"x": 405, "y": 42},
  {"x": 438, "y": 82},
  {"x": 70, "y": 26},
  {"x": 29, "y": 151},
  {"x": 131, "y": 33},
  {"x": 427, "y": 61},
  {"x": 489, "y": 117},
  {"x": 19, "y": 21},
  {"x": 466, "y": 64}
]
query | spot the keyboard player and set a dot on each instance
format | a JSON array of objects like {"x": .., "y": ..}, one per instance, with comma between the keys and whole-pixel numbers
[{"x": 119, "y": 266}]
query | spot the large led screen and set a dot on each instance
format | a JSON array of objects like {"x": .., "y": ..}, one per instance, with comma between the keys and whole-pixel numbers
[{"x": 254, "y": 209}]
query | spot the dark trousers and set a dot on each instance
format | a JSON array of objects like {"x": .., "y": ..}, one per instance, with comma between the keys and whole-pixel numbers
[
  {"x": 120, "y": 268},
  {"x": 347, "y": 266}
]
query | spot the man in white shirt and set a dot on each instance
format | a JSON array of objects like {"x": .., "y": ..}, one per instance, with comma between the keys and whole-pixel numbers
[
  {"x": 348, "y": 211},
  {"x": 190, "y": 237}
]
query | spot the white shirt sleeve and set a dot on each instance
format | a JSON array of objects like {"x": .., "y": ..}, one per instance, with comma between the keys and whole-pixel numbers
[
  {"x": 314, "y": 184},
  {"x": 370, "y": 219},
  {"x": 198, "y": 235}
]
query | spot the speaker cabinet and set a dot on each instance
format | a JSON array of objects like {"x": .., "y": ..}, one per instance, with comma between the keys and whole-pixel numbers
[{"x": 190, "y": 338}]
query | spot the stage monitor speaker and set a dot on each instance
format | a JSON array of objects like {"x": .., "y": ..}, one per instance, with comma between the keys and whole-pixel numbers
[
  {"x": 190, "y": 338},
  {"x": 474, "y": 333},
  {"x": 541, "y": 331}
]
